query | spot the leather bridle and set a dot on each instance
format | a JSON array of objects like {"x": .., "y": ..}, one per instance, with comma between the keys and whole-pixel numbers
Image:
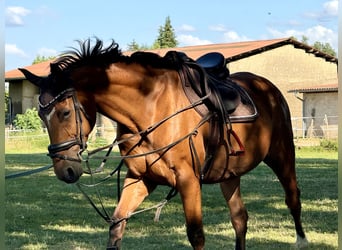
[{"x": 55, "y": 149}]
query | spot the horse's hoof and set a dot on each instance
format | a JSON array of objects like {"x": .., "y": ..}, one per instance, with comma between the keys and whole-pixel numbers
[
  {"x": 116, "y": 246},
  {"x": 301, "y": 242}
]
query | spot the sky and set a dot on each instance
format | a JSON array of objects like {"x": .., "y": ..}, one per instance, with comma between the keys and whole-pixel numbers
[{"x": 49, "y": 27}]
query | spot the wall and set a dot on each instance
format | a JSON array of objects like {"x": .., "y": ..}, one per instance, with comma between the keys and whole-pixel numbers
[
  {"x": 23, "y": 96},
  {"x": 16, "y": 93},
  {"x": 320, "y": 112},
  {"x": 289, "y": 68},
  {"x": 29, "y": 95}
]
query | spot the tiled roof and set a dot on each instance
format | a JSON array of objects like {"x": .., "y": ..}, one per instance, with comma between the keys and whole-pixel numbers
[
  {"x": 229, "y": 50},
  {"x": 316, "y": 89},
  {"x": 232, "y": 52},
  {"x": 39, "y": 69}
]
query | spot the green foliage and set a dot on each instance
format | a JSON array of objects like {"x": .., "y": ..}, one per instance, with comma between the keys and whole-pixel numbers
[
  {"x": 6, "y": 101},
  {"x": 29, "y": 120},
  {"x": 305, "y": 40},
  {"x": 166, "y": 37},
  {"x": 7, "y": 108},
  {"x": 325, "y": 145},
  {"x": 325, "y": 47},
  {"x": 40, "y": 59},
  {"x": 329, "y": 145},
  {"x": 134, "y": 46}
]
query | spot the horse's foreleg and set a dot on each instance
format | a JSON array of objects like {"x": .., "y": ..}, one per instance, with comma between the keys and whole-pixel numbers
[
  {"x": 190, "y": 192},
  {"x": 133, "y": 194},
  {"x": 238, "y": 212}
]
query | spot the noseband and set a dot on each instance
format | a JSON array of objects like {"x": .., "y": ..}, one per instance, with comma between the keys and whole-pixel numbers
[{"x": 54, "y": 149}]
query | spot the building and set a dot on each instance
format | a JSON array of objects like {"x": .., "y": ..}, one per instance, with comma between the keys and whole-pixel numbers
[
  {"x": 289, "y": 64},
  {"x": 320, "y": 109}
]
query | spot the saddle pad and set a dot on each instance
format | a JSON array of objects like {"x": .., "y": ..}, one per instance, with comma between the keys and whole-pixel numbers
[{"x": 246, "y": 110}]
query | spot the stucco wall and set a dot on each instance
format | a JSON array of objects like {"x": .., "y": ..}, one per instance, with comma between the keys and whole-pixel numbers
[
  {"x": 320, "y": 114},
  {"x": 289, "y": 68},
  {"x": 16, "y": 93},
  {"x": 29, "y": 95},
  {"x": 23, "y": 96}
]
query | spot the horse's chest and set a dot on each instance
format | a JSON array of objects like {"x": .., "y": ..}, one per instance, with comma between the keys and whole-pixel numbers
[{"x": 151, "y": 166}]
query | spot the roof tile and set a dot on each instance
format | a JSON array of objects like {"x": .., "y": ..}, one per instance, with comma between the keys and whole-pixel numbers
[{"x": 232, "y": 51}]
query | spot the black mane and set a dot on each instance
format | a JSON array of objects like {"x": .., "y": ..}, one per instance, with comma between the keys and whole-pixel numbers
[
  {"x": 88, "y": 55},
  {"x": 98, "y": 55}
]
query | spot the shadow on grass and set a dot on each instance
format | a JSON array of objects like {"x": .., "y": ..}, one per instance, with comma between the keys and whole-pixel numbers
[{"x": 42, "y": 211}]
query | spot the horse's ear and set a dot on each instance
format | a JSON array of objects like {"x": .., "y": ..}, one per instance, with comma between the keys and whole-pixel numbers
[
  {"x": 36, "y": 80},
  {"x": 55, "y": 69}
]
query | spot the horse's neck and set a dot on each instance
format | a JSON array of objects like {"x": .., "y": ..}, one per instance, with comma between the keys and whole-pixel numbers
[{"x": 137, "y": 97}]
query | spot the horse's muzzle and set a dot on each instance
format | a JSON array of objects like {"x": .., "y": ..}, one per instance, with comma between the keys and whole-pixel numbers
[{"x": 68, "y": 171}]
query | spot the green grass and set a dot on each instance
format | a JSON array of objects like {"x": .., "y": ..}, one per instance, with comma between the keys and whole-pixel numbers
[{"x": 44, "y": 213}]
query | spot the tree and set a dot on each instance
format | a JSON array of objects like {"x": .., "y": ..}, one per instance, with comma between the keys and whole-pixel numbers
[
  {"x": 305, "y": 40},
  {"x": 40, "y": 59},
  {"x": 7, "y": 108},
  {"x": 166, "y": 37},
  {"x": 134, "y": 46},
  {"x": 324, "y": 47}
]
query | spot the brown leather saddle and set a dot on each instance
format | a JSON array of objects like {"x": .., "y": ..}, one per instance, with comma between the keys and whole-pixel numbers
[{"x": 209, "y": 76}]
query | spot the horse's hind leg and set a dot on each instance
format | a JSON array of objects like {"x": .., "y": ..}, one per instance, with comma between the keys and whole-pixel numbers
[
  {"x": 282, "y": 163},
  {"x": 238, "y": 212}
]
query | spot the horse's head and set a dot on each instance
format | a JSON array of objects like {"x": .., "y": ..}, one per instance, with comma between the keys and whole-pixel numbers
[{"x": 62, "y": 109}]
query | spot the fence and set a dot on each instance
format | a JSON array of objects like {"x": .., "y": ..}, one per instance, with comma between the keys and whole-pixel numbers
[
  {"x": 19, "y": 134},
  {"x": 315, "y": 127},
  {"x": 303, "y": 127}
]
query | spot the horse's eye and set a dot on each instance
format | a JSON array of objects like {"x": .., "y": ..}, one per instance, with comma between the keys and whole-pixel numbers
[{"x": 64, "y": 114}]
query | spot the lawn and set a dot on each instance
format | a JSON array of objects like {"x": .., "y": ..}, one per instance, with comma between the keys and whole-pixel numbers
[{"x": 45, "y": 213}]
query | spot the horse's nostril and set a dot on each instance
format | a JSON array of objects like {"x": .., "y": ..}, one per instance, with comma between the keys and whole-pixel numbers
[{"x": 71, "y": 173}]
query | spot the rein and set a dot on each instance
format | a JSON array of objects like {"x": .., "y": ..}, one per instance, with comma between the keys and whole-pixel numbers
[
  {"x": 29, "y": 172},
  {"x": 54, "y": 150},
  {"x": 147, "y": 131},
  {"x": 173, "y": 191}
]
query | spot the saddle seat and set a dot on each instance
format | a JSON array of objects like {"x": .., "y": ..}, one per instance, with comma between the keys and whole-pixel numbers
[{"x": 214, "y": 64}]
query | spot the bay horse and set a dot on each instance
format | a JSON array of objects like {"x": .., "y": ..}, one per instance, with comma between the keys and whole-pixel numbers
[{"x": 170, "y": 141}]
